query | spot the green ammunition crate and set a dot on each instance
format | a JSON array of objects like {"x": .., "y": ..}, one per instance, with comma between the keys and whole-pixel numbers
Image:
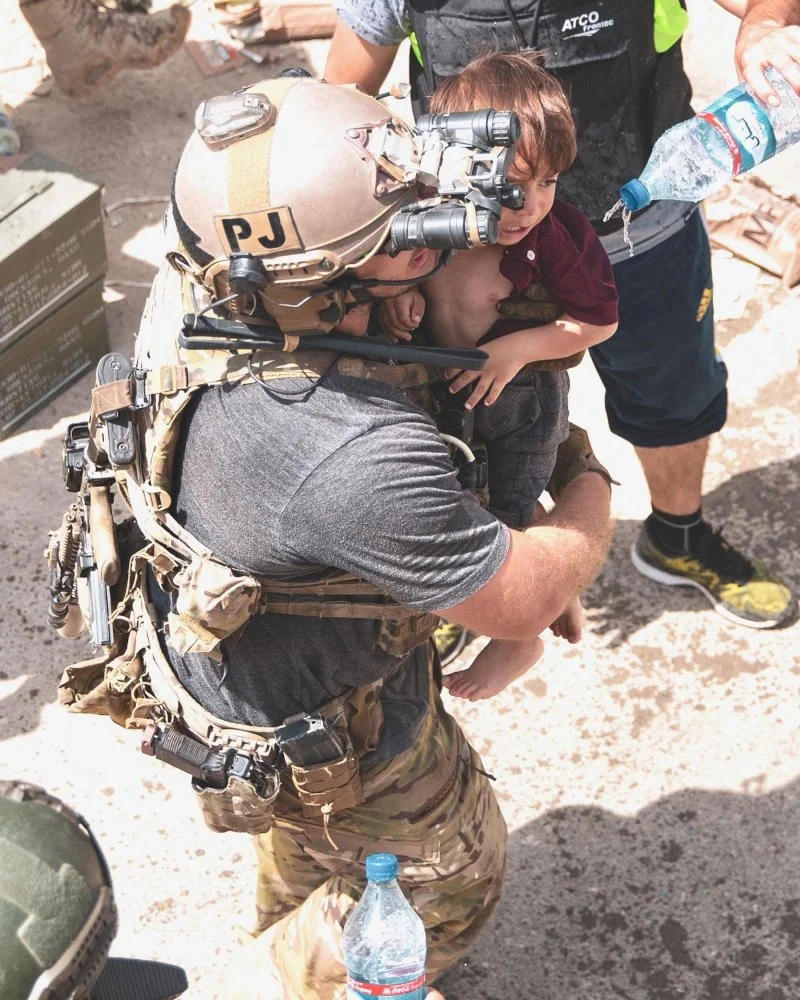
[
  {"x": 51, "y": 242},
  {"x": 61, "y": 348}
]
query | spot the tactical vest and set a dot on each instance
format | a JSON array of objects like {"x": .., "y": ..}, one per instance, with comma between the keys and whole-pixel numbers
[
  {"x": 132, "y": 680},
  {"x": 609, "y": 54}
]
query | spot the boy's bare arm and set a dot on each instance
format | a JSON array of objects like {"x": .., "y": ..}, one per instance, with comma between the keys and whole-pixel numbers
[
  {"x": 510, "y": 353},
  {"x": 563, "y": 337}
]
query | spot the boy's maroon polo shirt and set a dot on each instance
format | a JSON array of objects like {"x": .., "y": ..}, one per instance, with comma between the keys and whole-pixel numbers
[{"x": 564, "y": 253}]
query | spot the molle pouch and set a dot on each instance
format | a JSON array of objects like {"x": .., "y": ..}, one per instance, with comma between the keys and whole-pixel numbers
[
  {"x": 398, "y": 637},
  {"x": 329, "y": 787},
  {"x": 364, "y": 718},
  {"x": 238, "y": 808},
  {"x": 106, "y": 685},
  {"x": 213, "y": 603},
  {"x": 80, "y": 680}
]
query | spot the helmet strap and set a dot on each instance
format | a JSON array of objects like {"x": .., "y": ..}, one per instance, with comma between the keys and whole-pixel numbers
[{"x": 359, "y": 288}]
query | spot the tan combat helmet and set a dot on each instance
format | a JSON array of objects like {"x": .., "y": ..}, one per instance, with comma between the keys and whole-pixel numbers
[{"x": 303, "y": 175}]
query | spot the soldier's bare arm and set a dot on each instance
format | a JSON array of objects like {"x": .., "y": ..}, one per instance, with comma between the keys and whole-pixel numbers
[
  {"x": 546, "y": 566},
  {"x": 351, "y": 59}
]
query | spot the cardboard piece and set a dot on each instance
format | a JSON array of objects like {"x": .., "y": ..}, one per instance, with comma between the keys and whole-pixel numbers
[
  {"x": 291, "y": 22},
  {"x": 213, "y": 56},
  {"x": 297, "y": 21},
  {"x": 51, "y": 242},
  {"x": 756, "y": 225}
]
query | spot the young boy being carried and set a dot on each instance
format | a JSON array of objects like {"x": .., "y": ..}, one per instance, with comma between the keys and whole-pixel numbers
[{"x": 546, "y": 245}]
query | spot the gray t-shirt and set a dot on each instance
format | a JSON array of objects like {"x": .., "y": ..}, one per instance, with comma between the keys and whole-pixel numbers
[
  {"x": 387, "y": 22},
  {"x": 351, "y": 476}
]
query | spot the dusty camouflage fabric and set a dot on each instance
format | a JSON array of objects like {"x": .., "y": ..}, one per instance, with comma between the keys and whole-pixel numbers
[
  {"x": 575, "y": 456},
  {"x": 434, "y": 808},
  {"x": 213, "y": 602},
  {"x": 537, "y": 307},
  {"x": 238, "y": 807},
  {"x": 328, "y": 788}
]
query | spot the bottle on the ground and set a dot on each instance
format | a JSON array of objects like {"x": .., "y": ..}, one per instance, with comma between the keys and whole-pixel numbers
[
  {"x": 384, "y": 939},
  {"x": 693, "y": 159},
  {"x": 9, "y": 137}
]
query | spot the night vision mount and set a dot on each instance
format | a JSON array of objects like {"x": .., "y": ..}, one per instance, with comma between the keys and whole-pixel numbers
[{"x": 463, "y": 158}]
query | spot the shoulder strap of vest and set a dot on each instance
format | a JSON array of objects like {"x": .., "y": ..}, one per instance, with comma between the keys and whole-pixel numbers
[{"x": 201, "y": 368}]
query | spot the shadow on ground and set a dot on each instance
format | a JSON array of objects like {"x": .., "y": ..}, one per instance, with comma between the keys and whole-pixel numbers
[
  {"x": 697, "y": 897},
  {"x": 757, "y": 512}
]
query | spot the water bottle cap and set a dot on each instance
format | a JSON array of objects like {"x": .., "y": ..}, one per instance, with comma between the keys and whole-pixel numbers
[
  {"x": 635, "y": 195},
  {"x": 381, "y": 867}
]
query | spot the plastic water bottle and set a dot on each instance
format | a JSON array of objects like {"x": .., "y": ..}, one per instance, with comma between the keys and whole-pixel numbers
[
  {"x": 9, "y": 137},
  {"x": 734, "y": 134},
  {"x": 384, "y": 939}
]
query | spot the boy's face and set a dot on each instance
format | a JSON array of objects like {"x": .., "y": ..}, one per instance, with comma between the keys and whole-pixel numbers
[{"x": 540, "y": 192}]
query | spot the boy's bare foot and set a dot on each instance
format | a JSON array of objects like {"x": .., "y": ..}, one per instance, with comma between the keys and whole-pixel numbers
[
  {"x": 569, "y": 624},
  {"x": 493, "y": 669}
]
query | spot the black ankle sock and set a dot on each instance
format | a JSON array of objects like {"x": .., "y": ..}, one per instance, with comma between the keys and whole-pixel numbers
[{"x": 675, "y": 532}]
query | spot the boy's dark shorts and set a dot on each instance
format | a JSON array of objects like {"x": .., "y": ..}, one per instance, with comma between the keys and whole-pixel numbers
[
  {"x": 665, "y": 383},
  {"x": 522, "y": 432}
]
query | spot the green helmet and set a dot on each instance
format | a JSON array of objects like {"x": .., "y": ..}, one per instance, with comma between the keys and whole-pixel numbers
[{"x": 57, "y": 912}]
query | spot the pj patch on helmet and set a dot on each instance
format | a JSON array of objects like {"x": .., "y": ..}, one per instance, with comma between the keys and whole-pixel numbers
[{"x": 256, "y": 181}]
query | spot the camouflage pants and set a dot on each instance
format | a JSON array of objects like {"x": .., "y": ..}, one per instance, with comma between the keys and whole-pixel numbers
[{"x": 435, "y": 810}]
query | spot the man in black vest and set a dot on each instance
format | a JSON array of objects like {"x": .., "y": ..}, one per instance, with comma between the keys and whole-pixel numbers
[{"x": 665, "y": 385}]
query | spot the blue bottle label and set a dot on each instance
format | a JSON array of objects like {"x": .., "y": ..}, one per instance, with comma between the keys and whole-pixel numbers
[
  {"x": 738, "y": 116},
  {"x": 411, "y": 989}
]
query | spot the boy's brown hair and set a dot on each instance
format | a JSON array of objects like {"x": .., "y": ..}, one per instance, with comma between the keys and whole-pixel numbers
[{"x": 516, "y": 81}]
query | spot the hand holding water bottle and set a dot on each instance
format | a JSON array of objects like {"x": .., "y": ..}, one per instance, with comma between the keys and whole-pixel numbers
[
  {"x": 384, "y": 940},
  {"x": 732, "y": 135},
  {"x": 760, "y": 45}
]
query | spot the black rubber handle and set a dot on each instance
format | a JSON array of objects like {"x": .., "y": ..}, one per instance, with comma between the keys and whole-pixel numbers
[{"x": 203, "y": 333}]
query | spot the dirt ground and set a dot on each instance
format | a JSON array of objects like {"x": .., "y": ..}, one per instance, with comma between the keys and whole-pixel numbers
[{"x": 649, "y": 776}]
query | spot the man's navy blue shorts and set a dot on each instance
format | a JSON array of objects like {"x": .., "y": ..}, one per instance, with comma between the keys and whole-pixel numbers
[{"x": 664, "y": 382}]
